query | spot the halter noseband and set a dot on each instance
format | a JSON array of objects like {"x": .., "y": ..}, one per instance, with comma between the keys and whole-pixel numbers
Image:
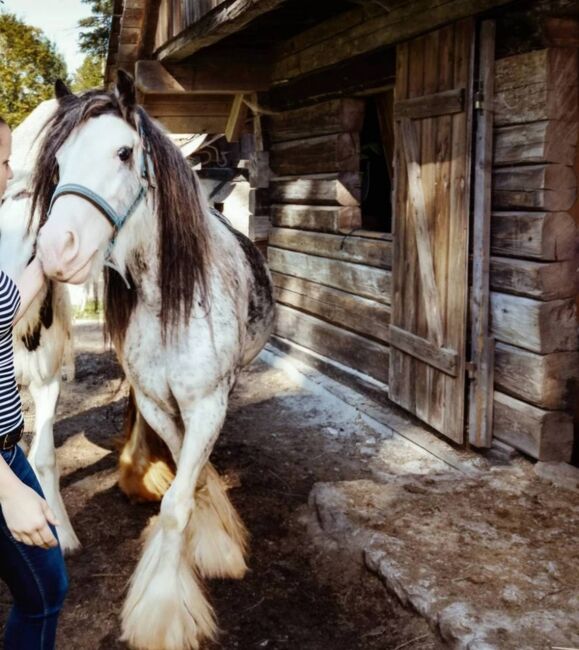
[{"x": 116, "y": 219}]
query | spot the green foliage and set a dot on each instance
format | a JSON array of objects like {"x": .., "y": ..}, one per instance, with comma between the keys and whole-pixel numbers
[
  {"x": 89, "y": 74},
  {"x": 30, "y": 66},
  {"x": 95, "y": 30}
]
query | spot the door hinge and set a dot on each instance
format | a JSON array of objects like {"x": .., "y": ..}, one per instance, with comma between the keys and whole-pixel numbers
[{"x": 479, "y": 100}]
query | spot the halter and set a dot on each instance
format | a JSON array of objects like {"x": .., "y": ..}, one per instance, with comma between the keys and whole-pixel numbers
[{"x": 116, "y": 219}]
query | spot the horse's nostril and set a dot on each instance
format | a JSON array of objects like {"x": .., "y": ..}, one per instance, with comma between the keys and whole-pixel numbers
[{"x": 59, "y": 274}]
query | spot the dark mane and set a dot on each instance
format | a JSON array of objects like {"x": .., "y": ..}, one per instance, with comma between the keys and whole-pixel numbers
[{"x": 182, "y": 226}]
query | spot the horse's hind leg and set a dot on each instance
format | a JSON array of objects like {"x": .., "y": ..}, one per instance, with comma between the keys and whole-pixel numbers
[
  {"x": 166, "y": 607},
  {"x": 218, "y": 538},
  {"x": 146, "y": 468},
  {"x": 42, "y": 457}
]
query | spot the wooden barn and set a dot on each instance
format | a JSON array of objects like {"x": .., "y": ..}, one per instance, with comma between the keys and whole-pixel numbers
[{"x": 410, "y": 169}]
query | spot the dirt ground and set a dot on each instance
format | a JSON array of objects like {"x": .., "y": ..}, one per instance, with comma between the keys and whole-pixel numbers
[{"x": 278, "y": 441}]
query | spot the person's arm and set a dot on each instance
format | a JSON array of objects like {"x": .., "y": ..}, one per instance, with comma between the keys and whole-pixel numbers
[
  {"x": 29, "y": 284},
  {"x": 26, "y": 513}
]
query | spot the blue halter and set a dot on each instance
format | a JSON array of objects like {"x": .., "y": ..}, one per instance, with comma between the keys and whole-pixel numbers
[{"x": 116, "y": 219}]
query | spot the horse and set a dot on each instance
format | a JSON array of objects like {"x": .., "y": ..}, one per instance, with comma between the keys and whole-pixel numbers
[
  {"x": 42, "y": 338},
  {"x": 188, "y": 303}
]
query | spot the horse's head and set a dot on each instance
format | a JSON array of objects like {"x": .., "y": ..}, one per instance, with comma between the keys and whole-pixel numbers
[{"x": 92, "y": 175}]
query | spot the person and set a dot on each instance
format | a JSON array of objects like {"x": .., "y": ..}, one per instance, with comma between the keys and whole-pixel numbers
[{"x": 31, "y": 561}]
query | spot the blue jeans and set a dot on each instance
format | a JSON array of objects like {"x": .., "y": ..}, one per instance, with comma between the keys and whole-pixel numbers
[{"x": 35, "y": 576}]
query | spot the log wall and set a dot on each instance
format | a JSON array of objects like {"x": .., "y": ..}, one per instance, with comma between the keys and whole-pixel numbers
[
  {"x": 333, "y": 285},
  {"x": 534, "y": 264}
]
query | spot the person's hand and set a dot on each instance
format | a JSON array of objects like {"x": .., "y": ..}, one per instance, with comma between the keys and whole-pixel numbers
[{"x": 28, "y": 517}]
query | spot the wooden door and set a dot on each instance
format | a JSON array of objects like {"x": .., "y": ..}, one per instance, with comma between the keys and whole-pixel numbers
[{"x": 433, "y": 132}]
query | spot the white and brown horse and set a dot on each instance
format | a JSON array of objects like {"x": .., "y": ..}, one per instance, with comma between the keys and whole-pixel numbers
[
  {"x": 42, "y": 337},
  {"x": 190, "y": 306}
]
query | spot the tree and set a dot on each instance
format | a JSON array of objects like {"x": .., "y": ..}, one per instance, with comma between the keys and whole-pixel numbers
[
  {"x": 30, "y": 66},
  {"x": 89, "y": 74},
  {"x": 95, "y": 30}
]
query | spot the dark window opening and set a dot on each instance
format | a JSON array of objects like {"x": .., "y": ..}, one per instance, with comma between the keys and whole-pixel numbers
[{"x": 376, "y": 152}]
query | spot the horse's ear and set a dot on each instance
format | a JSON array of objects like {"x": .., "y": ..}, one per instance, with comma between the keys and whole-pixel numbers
[
  {"x": 61, "y": 90},
  {"x": 125, "y": 92}
]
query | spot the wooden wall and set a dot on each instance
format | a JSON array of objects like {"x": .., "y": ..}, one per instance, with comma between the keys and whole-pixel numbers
[
  {"x": 333, "y": 285},
  {"x": 533, "y": 264},
  {"x": 177, "y": 15}
]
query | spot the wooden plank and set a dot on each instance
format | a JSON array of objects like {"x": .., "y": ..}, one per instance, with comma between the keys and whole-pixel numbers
[
  {"x": 329, "y": 153},
  {"x": 373, "y": 252},
  {"x": 338, "y": 219},
  {"x": 481, "y": 384},
  {"x": 345, "y": 347},
  {"x": 544, "y": 435},
  {"x": 237, "y": 118},
  {"x": 176, "y": 105},
  {"x": 538, "y": 326},
  {"x": 361, "y": 280},
  {"x": 548, "y": 236},
  {"x": 335, "y": 116},
  {"x": 546, "y": 380},
  {"x": 561, "y": 32},
  {"x": 224, "y": 72},
  {"x": 194, "y": 123},
  {"x": 354, "y": 33},
  {"x": 442, "y": 358},
  {"x": 548, "y": 141},
  {"x": 361, "y": 315},
  {"x": 535, "y": 103},
  {"x": 214, "y": 26},
  {"x": 418, "y": 217},
  {"x": 542, "y": 280},
  {"x": 318, "y": 189},
  {"x": 556, "y": 67},
  {"x": 446, "y": 102}
]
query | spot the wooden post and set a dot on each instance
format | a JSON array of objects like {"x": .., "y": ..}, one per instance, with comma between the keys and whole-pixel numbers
[
  {"x": 482, "y": 344},
  {"x": 259, "y": 177}
]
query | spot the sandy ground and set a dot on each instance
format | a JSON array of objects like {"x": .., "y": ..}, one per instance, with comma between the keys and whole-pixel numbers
[{"x": 279, "y": 440}]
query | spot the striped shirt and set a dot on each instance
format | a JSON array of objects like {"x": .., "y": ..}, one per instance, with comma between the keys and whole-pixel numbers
[{"x": 10, "y": 406}]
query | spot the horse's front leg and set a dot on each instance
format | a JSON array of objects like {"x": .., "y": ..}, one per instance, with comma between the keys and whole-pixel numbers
[
  {"x": 166, "y": 608},
  {"x": 42, "y": 457}
]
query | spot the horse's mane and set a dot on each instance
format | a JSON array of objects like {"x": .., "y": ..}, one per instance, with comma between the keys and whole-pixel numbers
[{"x": 182, "y": 224}]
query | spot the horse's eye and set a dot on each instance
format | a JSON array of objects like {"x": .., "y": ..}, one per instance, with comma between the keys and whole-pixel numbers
[{"x": 124, "y": 153}]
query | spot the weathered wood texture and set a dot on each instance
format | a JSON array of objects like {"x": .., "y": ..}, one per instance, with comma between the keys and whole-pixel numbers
[
  {"x": 480, "y": 415},
  {"x": 542, "y": 280},
  {"x": 318, "y": 218},
  {"x": 174, "y": 17},
  {"x": 550, "y": 381},
  {"x": 539, "y": 85},
  {"x": 431, "y": 200},
  {"x": 368, "y": 28},
  {"x": 361, "y": 315},
  {"x": 347, "y": 348},
  {"x": 547, "y": 236},
  {"x": 338, "y": 152},
  {"x": 358, "y": 279},
  {"x": 538, "y": 326},
  {"x": 545, "y": 435},
  {"x": 373, "y": 252},
  {"x": 535, "y": 187},
  {"x": 318, "y": 189},
  {"x": 336, "y": 116},
  {"x": 191, "y": 113},
  {"x": 547, "y": 141}
]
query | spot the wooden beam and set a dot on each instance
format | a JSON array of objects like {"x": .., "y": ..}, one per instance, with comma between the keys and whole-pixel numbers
[
  {"x": 338, "y": 152},
  {"x": 373, "y": 252},
  {"x": 447, "y": 102},
  {"x": 550, "y": 381},
  {"x": 548, "y": 141},
  {"x": 538, "y": 326},
  {"x": 548, "y": 236},
  {"x": 224, "y": 20},
  {"x": 335, "y": 343},
  {"x": 435, "y": 356},
  {"x": 481, "y": 384},
  {"x": 338, "y": 219},
  {"x": 542, "y": 280},
  {"x": 335, "y": 116},
  {"x": 361, "y": 280},
  {"x": 236, "y": 119},
  {"x": 561, "y": 32},
  {"x": 361, "y": 315},
  {"x": 318, "y": 189},
  {"x": 544, "y": 435},
  {"x": 226, "y": 71}
]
